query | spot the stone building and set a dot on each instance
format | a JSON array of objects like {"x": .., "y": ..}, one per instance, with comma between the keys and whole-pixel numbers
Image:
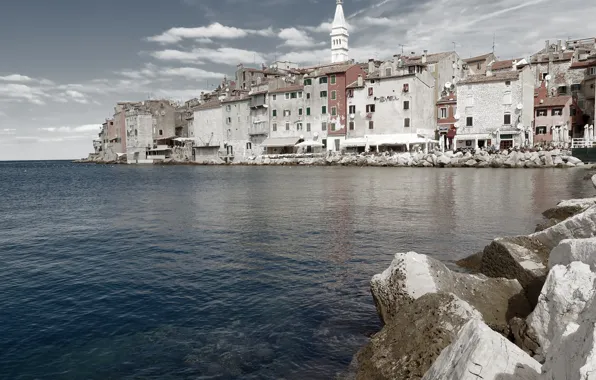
[
  {"x": 237, "y": 143},
  {"x": 207, "y": 130},
  {"x": 286, "y": 115},
  {"x": 495, "y": 109},
  {"x": 586, "y": 68},
  {"x": 392, "y": 108},
  {"x": 139, "y": 134},
  {"x": 258, "y": 130},
  {"x": 447, "y": 108},
  {"x": 116, "y": 146},
  {"x": 553, "y": 119},
  {"x": 477, "y": 65}
]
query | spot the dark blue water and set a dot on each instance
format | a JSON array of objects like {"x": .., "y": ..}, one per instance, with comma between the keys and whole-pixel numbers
[{"x": 227, "y": 272}]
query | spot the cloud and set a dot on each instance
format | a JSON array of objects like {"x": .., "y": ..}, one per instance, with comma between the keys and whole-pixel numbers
[
  {"x": 7, "y": 131},
  {"x": 201, "y": 33},
  {"x": 15, "y": 78},
  {"x": 295, "y": 38},
  {"x": 191, "y": 73},
  {"x": 21, "y": 92},
  {"x": 223, "y": 55},
  {"x": 308, "y": 56},
  {"x": 86, "y": 128},
  {"x": 177, "y": 55}
]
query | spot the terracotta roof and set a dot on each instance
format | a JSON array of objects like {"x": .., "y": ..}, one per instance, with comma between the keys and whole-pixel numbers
[
  {"x": 236, "y": 99},
  {"x": 355, "y": 84},
  {"x": 450, "y": 98},
  {"x": 496, "y": 77},
  {"x": 478, "y": 58},
  {"x": 334, "y": 69},
  {"x": 376, "y": 75},
  {"x": 552, "y": 101},
  {"x": 583, "y": 64},
  {"x": 214, "y": 103},
  {"x": 430, "y": 58},
  {"x": 295, "y": 87},
  {"x": 503, "y": 65}
]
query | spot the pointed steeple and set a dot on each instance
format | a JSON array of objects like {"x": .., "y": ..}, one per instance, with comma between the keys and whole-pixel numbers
[{"x": 339, "y": 35}]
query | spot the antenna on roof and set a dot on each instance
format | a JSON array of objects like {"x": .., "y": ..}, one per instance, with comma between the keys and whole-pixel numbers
[
  {"x": 494, "y": 35},
  {"x": 402, "y": 49}
]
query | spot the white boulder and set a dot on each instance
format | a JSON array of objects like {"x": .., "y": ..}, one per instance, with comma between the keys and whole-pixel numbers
[
  {"x": 564, "y": 295},
  {"x": 570, "y": 250},
  {"x": 594, "y": 180},
  {"x": 579, "y": 226},
  {"x": 480, "y": 353}
]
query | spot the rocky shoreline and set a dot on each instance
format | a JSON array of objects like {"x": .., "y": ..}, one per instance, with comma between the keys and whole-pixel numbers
[
  {"x": 525, "y": 308},
  {"x": 481, "y": 159}
]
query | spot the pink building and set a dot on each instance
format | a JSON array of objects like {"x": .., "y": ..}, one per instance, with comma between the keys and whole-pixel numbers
[{"x": 553, "y": 120}]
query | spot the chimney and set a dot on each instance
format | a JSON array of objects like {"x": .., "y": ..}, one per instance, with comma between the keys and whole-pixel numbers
[
  {"x": 360, "y": 80},
  {"x": 559, "y": 45},
  {"x": 423, "y": 60},
  {"x": 371, "y": 66},
  {"x": 547, "y": 46},
  {"x": 551, "y": 56}
]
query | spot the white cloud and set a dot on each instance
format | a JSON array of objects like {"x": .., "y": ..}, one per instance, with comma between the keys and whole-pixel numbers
[
  {"x": 201, "y": 33},
  {"x": 191, "y": 73},
  {"x": 308, "y": 56},
  {"x": 15, "y": 78},
  {"x": 86, "y": 128},
  {"x": 223, "y": 55},
  {"x": 22, "y": 92},
  {"x": 295, "y": 38},
  {"x": 177, "y": 55},
  {"x": 77, "y": 96}
]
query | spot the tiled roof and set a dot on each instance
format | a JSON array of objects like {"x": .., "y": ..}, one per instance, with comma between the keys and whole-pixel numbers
[
  {"x": 503, "y": 65},
  {"x": 214, "y": 103},
  {"x": 355, "y": 84},
  {"x": 430, "y": 58},
  {"x": 450, "y": 98},
  {"x": 295, "y": 87},
  {"x": 552, "y": 101},
  {"x": 478, "y": 58},
  {"x": 583, "y": 64},
  {"x": 543, "y": 58},
  {"x": 496, "y": 77},
  {"x": 236, "y": 99},
  {"x": 341, "y": 68},
  {"x": 376, "y": 75}
]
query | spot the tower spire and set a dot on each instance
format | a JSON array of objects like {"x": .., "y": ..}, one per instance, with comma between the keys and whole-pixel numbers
[{"x": 339, "y": 35}]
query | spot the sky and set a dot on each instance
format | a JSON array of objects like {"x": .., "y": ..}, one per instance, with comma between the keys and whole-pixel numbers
[{"x": 65, "y": 63}]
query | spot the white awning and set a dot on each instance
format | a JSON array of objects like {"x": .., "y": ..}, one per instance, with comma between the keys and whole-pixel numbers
[
  {"x": 183, "y": 139},
  {"x": 380, "y": 140},
  {"x": 309, "y": 143},
  {"x": 280, "y": 141},
  {"x": 474, "y": 136},
  {"x": 355, "y": 142}
]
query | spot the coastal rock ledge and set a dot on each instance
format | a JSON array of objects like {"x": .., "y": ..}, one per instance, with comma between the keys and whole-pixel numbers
[{"x": 528, "y": 312}]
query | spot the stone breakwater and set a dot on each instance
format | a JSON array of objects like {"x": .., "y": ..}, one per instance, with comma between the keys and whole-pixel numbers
[
  {"x": 524, "y": 309},
  {"x": 482, "y": 159}
]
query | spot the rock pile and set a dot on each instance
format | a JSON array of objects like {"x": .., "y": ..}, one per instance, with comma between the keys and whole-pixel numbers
[
  {"x": 482, "y": 159},
  {"x": 528, "y": 312}
]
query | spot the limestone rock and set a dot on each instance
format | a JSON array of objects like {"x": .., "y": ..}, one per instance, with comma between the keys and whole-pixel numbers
[
  {"x": 470, "y": 163},
  {"x": 483, "y": 164},
  {"x": 521, "y": 258},
  {"x": 565, "y": 293},
  {"x": 572, "y": 355},
  {"x": 548, "y": 161},
  {"x": 412, "y": 275},
  {"x": 406, "y": 347},
  {"x": 579, "y": 226},
  {"x": 443, "y": 160},
  {"x": 480, "y": 353},
  {"x": 570, "y": 250},
  {"x": 573, "y": 160},
  {"x": 569, "y": 164},
  {"x": 594, "y": 180}
]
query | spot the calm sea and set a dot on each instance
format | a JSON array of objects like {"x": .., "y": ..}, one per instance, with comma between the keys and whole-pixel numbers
[{"x": 121, "y": 272}]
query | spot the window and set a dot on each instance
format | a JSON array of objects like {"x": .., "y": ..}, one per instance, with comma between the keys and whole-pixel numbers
[
  {"x": 543, "y": 76},
  {"x": 274, "y": 113},
  {"x": 507, "y": 98},
  {"x": 324, "y": 110},
  {"x": 350, "y": 93},
  {"x": 352, "y": 109},
  {"x": 333, "y": 111},
  {"x": 562, "y": 90},
  {"x": 507, "y": 119},
  {"x": 323, "y": 94},
  {"x": 507, "y": 83},
  {"x": 293, "y": 95},
  {"x": 323, "y": 126},
  {"x": 248, "y": 145},
  {"x": 307, "y": 111},
  {"x": 411, "y": 69},
  {"x": 332, "y": 126},
  {"x": 388, "y": 72},
  {"x": 371, "y": 124},
  {"x": 370, "y": 91},
  {"x": 468, "y": 142},
  {"x": 443, "y": 113},
  {"x": 576, "y": 87},
  {"x": 287, "y": 113},
  {"x": 161, "y": 132},
  {"x": 470, "y": 101},
  {"x": 557, "y": 112},
  {"x": 333, "y": 95},
  {"x": 479, "y": 65},
  {"x": 274, "y": 127},
  {"x": 300, "y": 95},
  {"x": 406, "y": 104},
  {"x": 287, "y": 95},
  {"x": 308, "y": 95},
  {"x": 592, "y": 71},
  {"x": 274, "y": 96},
  {"x": 541, "y": 130},
  {"x": 573, "y": 111},
  {"x": 228, "y": 120},
  {"x": 370, "y": 108},
  {"x": 351, "y": 125},
  {"x": 333, "y": 79},
  {"x": 308, "y": 82},
  {"x": 407, "y": 122},
  {"x": 299, "y": 126},
  {"x": 228, "y": 108},
  {"x": 300, "y": 111},
  {"x": 469, "y": 121},
  {"x": 287, "y": 126},
  {"x": 322, "y": 80},
  {"x": 307, "y": 127},
  {"x": 541, "y": 113}
]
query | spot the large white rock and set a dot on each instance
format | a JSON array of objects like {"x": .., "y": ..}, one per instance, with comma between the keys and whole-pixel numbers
[
  {"x": 579, "y": 226},
  {"x": 581, "y": 202},
  {"x": 480, "y": 353},
  {"x": 444, "y": 160},
  {"x": 594, "y": 180},
  {"x": 564, "y": 295},
  {"x": 412, "y": 275},
  {"x": 573, "y": 160},
  {"x": 572, "y": 355},
  {"x": 570, "y": 250}
]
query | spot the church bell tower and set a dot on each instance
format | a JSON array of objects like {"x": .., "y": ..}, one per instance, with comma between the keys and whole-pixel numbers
[{"x": 339, "y": 35}]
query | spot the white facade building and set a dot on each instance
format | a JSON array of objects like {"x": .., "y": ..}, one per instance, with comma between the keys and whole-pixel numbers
[
  {"x": 339, "y": 35},
  {"x": 207, "y": 130},
  {"x": 237, "y": 120},
  {"x": 495, "y": 109},
  {"x": 139, "y": 135}
]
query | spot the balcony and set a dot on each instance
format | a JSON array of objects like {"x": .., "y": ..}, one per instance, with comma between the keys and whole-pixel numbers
[{"x": 260, "y": 128}]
